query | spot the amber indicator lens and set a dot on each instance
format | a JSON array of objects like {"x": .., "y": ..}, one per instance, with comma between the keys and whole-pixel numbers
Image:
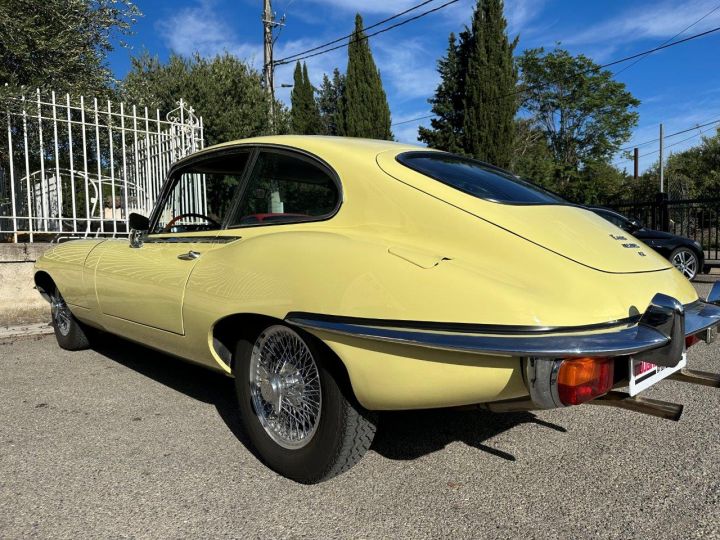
[{"x": 582, "y": 379}]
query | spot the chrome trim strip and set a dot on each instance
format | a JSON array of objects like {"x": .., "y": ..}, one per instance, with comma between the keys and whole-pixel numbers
[
  {"x": 191, "y": 239},
  {"x": 463, "y": 328},
  {"x": 631, "y": 339},
  {"x": 621, "y": 342}
]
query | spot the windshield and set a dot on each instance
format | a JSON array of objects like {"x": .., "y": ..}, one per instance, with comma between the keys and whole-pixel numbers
[{"x": 477, "y": 178}]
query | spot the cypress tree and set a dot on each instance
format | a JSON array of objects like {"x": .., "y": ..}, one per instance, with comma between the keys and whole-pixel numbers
[
  {"x": 474, "y": 103},
  {"x": 313, "y": 125},
  {"x": 304, "y": 115},
  {"x": 490, "y": 82},
  {"x": 447, "y": 104},
  {"x": 365, "y": 111},
  {"x": 329, "y": 99},
  {"x": 297, "y": 111}
]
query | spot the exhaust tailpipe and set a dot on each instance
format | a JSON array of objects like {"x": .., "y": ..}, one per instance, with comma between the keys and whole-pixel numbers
[
  {"x": 693, "y": 376},
  {"x": 653, "y": 407}
]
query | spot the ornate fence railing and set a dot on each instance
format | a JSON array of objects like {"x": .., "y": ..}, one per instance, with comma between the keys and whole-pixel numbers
[
  {"x": 78, "y": 168},
  {"x": 698, "y": 219}
]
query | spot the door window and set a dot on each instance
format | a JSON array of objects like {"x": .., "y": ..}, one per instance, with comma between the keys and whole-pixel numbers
[
  {"x": 201, "y": 194},
  {"x": 283, "y": 189}
]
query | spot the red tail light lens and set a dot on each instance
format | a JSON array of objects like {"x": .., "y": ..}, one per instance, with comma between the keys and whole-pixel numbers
[
  {"x": 691, "y": 340},
  {"x": 582, "y": 379}
]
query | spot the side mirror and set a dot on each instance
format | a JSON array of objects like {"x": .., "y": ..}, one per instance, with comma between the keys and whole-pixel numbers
[
  {"x": 139, "y": 226},
  {"x": 635, "y": 224}
]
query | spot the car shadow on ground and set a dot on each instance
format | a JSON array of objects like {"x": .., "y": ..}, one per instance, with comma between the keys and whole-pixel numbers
[
  {"x": 401, "y": 435},
  {"x": 409, "y": 435}
]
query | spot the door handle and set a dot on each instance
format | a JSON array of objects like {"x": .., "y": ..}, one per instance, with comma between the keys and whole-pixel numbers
[{"x": 189, "y": 256}]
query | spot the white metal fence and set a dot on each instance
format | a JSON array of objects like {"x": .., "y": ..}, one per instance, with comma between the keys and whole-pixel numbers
[{"x": 78, "y": 168}]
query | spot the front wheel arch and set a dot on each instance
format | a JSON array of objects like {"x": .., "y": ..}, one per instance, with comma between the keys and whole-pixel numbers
[{"x": 44, "y": 284}]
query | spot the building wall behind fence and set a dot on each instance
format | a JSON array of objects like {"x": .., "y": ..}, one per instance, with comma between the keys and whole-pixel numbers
[{"x": 77, "y": 167}]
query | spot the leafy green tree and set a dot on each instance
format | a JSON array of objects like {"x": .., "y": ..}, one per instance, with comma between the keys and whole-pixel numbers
[
  {"x": 61, "y": 45},
  {"x": 224, "y": 90},
  {"x": 446, "y": 131},
  {"x": 531, "y": 156},
  {"x": 329, "y": 102},
  {"x": 583, "y": 113},
  {"x": 490, "y": 101},
  {"x": 694, "y": 172},
  {"x": 365, "y": 111},
  {"x": 304, "y": 115}
]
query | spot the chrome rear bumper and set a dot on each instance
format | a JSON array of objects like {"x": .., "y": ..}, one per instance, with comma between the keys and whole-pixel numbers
[{"x": 657, "y": 336}]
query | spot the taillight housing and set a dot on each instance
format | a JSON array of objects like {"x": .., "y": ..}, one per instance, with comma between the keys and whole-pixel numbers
[
  {"x": 691, "y": 340},
  {"x": 582, "y": 379}
]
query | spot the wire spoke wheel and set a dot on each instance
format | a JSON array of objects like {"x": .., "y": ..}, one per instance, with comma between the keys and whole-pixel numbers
[
  {"x": 685, "y": 261},
  {"x": 62, "y": 317},
  {"x": 285, "y": 387}
]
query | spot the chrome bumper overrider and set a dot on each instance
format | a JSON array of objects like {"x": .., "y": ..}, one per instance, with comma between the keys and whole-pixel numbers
[{"x": 657, "y": 336}]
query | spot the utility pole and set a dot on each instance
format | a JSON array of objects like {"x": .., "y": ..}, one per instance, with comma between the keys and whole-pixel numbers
[
  {"x": 636, "y": 161},
  {"x": 662, "y": 166},
  {"x": 269, "y": 24}
]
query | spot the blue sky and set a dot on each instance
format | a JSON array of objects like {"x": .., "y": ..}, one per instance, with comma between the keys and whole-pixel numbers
[{"x": 679, "y": 86}]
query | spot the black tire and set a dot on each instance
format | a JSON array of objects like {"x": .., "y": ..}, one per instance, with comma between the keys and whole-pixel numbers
[
  {"x": 686, "y": 261},
  {"x": 343, "y": 432},
  {"x": 70, "y": 334}
]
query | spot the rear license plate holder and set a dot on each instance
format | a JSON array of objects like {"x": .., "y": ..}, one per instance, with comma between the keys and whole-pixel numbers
[{"x": 643, "y": 375}]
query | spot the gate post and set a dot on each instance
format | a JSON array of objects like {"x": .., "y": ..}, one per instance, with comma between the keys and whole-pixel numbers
[{"x": 663, "y": 215}]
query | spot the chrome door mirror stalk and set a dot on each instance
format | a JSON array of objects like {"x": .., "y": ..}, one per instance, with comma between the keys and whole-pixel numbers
[
  {"x": 137, "y": 238},
  {"x": 139, "y": 226}
]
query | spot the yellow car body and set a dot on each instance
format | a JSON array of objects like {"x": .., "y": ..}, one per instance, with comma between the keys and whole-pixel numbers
[{"x": 403, "y": 248}]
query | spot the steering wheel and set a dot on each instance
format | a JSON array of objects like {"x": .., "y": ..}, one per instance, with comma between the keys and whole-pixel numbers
[{"x": 174, "y": 220}]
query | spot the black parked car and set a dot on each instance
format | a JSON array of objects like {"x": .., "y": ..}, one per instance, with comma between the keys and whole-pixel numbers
[{"x": 685, "y": 254}]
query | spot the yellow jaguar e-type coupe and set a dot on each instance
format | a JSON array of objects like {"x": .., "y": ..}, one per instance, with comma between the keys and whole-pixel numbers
[{"x": 334, "y": 278}]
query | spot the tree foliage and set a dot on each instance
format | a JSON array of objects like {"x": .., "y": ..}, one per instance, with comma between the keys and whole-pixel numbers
[
  {"x": 329, "y": 102},
  {"x": 584, "y": 114},
  {"x": 694, "y": 172},
  {"x": 224, "y": 90},
  {"x": 446, "y": 131},
  {"x": 304, "y": 115},
  {"x": 475, "y": 103},
  {"x": 490, "y": 102},
  {"x": 61, "y": 45},
  {"x": 365, "y": 111}
]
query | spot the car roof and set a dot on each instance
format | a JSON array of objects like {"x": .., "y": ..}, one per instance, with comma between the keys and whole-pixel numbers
[{"x": 316, "y": 144}]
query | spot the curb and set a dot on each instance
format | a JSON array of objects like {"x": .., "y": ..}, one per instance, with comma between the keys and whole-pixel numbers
[{"x": 38, "y": 329}]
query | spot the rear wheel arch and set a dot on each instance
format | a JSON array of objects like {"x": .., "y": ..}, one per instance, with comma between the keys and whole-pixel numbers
[{"x": 229, "y": 330}]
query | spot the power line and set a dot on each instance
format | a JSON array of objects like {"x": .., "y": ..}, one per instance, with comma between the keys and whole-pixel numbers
[
  {"x": 681, "y": 32},
  {"x": 412, "y": 120},
  {"x": 669, "y": 145},
  {"x": 333, "y": 42},
  {"x": 368, "y": 36},
  {"x": 596, "y": 68},
  {"x": 645, "y": 143}
]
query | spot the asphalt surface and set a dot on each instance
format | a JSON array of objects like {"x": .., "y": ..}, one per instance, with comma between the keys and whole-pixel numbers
[{"x": 123, "y": 442}]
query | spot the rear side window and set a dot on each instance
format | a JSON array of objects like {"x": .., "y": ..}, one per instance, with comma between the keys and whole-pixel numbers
[
  {"x": 477, "y": 179},
  {"x": 284, "y": 188}
]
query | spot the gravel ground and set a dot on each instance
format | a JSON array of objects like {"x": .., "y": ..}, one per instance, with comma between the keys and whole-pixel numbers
[{"x": 122, "y": 441}]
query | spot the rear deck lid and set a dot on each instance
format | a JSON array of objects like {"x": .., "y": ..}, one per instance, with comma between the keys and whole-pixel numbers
[{"x": 522, "y": 209}]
